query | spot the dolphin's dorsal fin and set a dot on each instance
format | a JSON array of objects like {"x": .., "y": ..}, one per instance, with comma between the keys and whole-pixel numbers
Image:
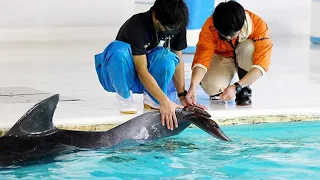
[{"x": 36, "y": 120}]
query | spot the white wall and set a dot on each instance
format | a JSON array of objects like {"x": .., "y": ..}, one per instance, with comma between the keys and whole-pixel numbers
[
  {"x": 142, "y": 5},
  {"x": 51, "y": 13},
  {"x": 100, "y": 19},
  {"x": 315, "y": 19},
  {"x": 62, "y": 19},
  {"x": 285, "y": 17}
]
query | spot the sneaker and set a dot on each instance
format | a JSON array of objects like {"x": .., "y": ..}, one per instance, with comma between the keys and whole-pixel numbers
[
  {"x": 243, "y": 98},
  {"x": 215, "y": 99},
  {"x": 243, "y": 102},
  {"x": 149, "y": 103},
  {"x": 126, "y": 104}
]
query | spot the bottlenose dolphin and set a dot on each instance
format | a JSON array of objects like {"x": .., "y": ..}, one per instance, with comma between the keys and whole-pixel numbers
[{"x": 34, "y": 135}]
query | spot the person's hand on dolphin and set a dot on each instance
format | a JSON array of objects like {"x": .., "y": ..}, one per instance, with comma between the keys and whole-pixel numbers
[
  {"x": 168, "y": 113},
  {"x": 183, "y": 101},
  {"x": 191, "y": 98}
]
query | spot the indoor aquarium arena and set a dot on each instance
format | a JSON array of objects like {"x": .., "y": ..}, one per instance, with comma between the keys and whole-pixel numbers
[{"x": 159, "y": 89}]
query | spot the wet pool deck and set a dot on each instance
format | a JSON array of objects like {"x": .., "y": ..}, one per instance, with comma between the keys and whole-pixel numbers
[{"x": 289, "y": 92}]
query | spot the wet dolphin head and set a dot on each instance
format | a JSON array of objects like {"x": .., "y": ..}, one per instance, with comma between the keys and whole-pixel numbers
[{"x": 202, "y": 119}]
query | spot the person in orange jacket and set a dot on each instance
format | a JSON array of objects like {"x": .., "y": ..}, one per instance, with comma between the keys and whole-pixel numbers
[{"x": 232, "y": 40}]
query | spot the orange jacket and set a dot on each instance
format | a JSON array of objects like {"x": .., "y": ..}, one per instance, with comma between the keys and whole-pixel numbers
[{"x": 254, "y": 28}]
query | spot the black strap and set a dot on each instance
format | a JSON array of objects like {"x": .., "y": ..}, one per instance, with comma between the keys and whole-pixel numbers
[{"x": 184, "y": 93}]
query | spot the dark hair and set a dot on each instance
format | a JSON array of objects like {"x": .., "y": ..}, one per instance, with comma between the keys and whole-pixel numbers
[
  {"x": 228, "y": 17},
  {"x": 171, "y": 13}
]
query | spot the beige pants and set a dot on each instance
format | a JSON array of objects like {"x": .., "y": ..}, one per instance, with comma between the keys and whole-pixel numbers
[{"x": 222, "y": 70}]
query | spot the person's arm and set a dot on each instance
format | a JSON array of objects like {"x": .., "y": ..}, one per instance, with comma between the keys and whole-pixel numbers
[
  {"x": 261, "y": 58},
  {"x": 178, "y": 76},
  {"x": 178, "y": 43},
  {"x": 196, "y": 77},
  {"x": 262, "y": 54},
  {"x": 202, "y": 58},
  {"x": 252, "y": 75},
  {"x": 204, "y": 52},
  {"x": 147, "y": 79},
  {"x": 167, "y": 108},
  {"x": 135, "y": 36}
]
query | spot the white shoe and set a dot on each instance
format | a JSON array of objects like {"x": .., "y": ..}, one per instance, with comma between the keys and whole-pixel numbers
[
  {"x": 149, "y": 103},
  {"x": 126, "y": 104},
  {"x": 215, "y": 99}
]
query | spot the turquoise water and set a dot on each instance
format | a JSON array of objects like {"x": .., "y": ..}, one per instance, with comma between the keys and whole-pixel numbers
[{"x": 263, "y": 151}]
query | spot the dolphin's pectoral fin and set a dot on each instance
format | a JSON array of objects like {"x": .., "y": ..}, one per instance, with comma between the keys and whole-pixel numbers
[{"x": 37, "y": 120}]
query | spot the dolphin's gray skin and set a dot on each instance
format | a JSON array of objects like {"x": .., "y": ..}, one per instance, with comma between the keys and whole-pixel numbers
[{"x": 34, "y": 135}]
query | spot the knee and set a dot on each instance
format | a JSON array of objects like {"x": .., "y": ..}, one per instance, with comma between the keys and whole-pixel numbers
[
  {"x": 118, "y": 46},
  {"x": 213, "y": 84},
  {"x": 245, "y": 54},
  {"x": 117, "y": 54},
  {"x": 164, "y": 60},
  {"x": 121, "y": 51},
  {"x": 246, "y": 48},
  {"x": 211, "y": 88}
]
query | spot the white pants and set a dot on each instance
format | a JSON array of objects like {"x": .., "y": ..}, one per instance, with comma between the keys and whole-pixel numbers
[{"x": 222, "y": 70}]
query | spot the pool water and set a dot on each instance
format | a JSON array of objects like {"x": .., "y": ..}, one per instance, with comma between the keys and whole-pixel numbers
[{"x": 263, "y": 151}]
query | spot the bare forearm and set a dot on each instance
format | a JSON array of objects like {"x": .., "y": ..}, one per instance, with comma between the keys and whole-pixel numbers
[
  {"x": 151, "y": 85},
  {"x": 178, "y": 77},
  {"x": 197, "y": 75},
  {"x": 147, "y": 79},
  {"x": 253, "y": 75}
]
